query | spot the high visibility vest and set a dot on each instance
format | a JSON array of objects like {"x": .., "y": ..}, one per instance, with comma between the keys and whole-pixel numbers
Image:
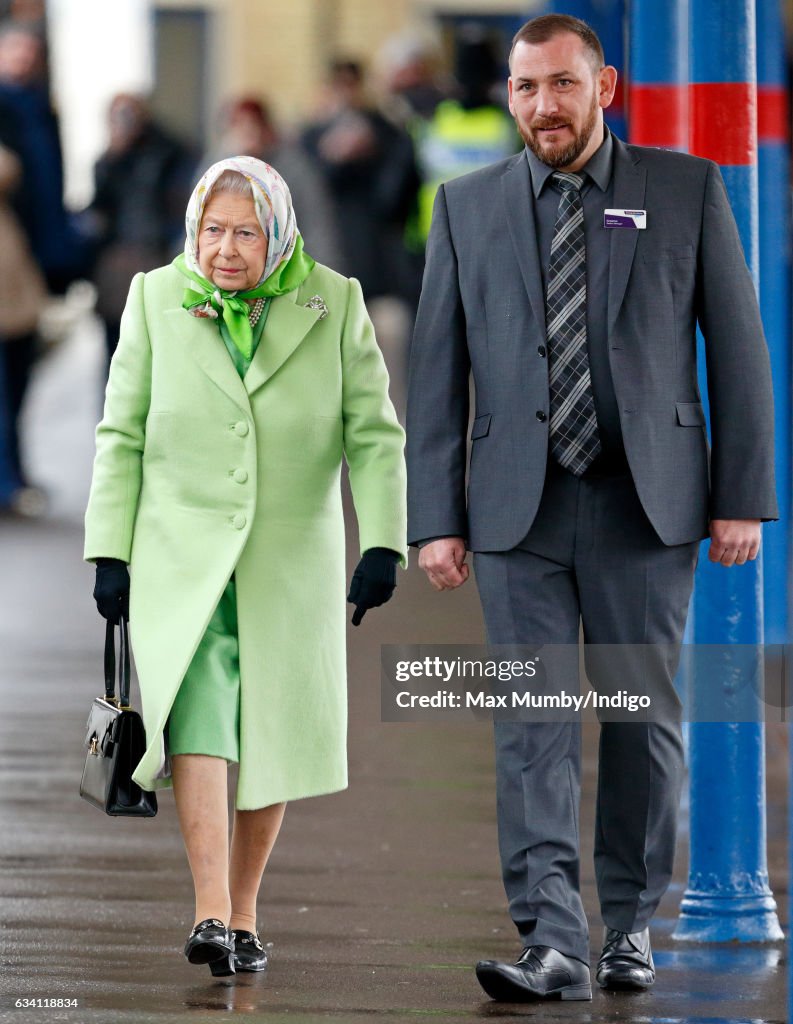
[{"x": 453, "y": 142}]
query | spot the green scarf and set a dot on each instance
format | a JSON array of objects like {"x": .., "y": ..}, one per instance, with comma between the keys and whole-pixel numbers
[{"x": 231, "y": 307}]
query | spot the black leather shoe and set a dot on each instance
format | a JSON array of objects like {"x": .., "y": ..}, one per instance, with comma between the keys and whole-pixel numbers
[
  {"x": 224, "y": 967},
  {"x": 626, "y": 961},
  {"x": 209, "y": 941},
  {"x": 249, "y": 953},
  {"x": 540, "y": 973}
]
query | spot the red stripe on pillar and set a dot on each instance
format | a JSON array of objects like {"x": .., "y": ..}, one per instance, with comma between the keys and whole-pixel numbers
[
  {"x": 659, "y": 115},
  {"x": 772, "y": 114},
  {"x": 723, "y": 122}
]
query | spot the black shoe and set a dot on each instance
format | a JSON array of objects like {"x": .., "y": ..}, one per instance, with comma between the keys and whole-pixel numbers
[
  {"x": 249, "y": 953},
  {"x": 540, "y": 973},
  {"x": 626, "y": 961},
  {"x": 208, "y": 942},
  {"x": 224, "y": 967}
]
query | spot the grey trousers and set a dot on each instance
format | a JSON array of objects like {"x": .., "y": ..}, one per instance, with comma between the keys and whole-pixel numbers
[{"x": 592, "y": 555}]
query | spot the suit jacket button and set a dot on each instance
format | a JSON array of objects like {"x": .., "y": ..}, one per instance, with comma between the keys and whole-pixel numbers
[
  {"x": 239, "y": 521},
  {"x": 541, "y": 351},
  {"x": 241, "y": 428},
  {"x": 541, "y": 416},
  {"x": 240, "y": 475}
]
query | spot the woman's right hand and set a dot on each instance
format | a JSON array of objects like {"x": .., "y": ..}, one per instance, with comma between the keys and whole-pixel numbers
[{"x": 111, "y": 590}]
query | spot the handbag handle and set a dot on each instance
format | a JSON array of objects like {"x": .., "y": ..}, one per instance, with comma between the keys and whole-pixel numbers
[{"x": 123, "y": 663}]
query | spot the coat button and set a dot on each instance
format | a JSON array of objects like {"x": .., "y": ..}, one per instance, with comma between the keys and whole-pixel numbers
[
  {"x": 240, "y": 475},
  {"x": 239, "y": 521},
  {"x": 241, "y": 428},
  {"x": 541, "y": 350},
  {"x": 541, "y": 416}
]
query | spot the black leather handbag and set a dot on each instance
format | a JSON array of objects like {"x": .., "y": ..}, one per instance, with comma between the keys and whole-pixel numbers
[{"x": 116, "y": 741}]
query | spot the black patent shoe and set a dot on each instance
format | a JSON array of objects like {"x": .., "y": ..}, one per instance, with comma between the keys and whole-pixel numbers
[
  {"x": 540, "y": 973},
  {"x": 223, "y": 968},
  {"x": 626, "y": 962},
  {"x": 249, "y": 953},
  {"x": 209, "y": 942}
]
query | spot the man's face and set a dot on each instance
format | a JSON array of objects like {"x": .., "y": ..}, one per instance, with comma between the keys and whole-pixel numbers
[{"x": 556, "y": 98}]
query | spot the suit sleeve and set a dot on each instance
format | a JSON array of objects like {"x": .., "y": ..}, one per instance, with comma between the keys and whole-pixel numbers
[
  {"x": 740, "y": 391},
  {"x": 438, "y": 397},
  {"x": 120, "y": 438},
  {"x": 373, "y": 439}
]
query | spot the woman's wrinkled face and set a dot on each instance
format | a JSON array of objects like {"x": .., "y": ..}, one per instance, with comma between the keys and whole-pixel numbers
[{"x": 232, "y": 248}]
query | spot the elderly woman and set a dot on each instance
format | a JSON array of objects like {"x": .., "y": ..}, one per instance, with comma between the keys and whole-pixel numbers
[{"x": 244, "y": 374}]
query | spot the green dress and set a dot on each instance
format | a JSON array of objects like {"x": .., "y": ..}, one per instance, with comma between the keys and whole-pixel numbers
[{"x": 205, "y": 716}]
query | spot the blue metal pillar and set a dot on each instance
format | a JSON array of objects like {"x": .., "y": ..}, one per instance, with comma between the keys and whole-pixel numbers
[
  {"x": 728, "y": 897},
  {"x": 658, "y": 74},
  {"x": 607, "y": 18},
  {"x": 774, "y": 183},
  {"x": 9, "y": 481}
]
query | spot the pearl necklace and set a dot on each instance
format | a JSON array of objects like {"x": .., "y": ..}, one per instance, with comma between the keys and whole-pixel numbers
[{"x": 256, "y": 311}]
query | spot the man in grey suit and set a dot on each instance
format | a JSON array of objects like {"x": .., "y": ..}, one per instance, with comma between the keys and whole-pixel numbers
[{"x": 569, "y": 281}]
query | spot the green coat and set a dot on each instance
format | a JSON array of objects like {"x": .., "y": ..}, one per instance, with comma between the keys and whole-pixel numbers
[{"x": 199, "y": 474}]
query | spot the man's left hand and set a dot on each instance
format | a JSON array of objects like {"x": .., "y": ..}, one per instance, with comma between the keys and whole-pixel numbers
[{"x": 734, "y": 541}]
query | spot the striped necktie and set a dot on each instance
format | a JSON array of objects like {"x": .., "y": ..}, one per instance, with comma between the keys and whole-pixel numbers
[{"x": 573, "y": 427}]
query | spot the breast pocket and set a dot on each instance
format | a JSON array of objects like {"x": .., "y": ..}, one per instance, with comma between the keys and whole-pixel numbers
[{"x": 665, "y": 253}]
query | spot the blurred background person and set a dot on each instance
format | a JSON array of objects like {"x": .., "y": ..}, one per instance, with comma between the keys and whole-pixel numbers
[
  {"x": 248, "y": 128},
  {"x": 32, "y": 132},
  {"x": 370, "y": 170},
  {"x": 142, "y": 182},
  {"x": 22, "y": 296},
  {"x": 467, "y": 130},
  {"x": 408, "y": 67},
  {"x": 413, "y": 88}
]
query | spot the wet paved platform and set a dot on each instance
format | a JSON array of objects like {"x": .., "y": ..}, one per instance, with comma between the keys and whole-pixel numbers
[{"x": 377, "y": 901}]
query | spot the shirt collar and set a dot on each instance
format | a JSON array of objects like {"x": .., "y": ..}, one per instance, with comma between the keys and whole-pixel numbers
[{"x": 598, "y": 167}]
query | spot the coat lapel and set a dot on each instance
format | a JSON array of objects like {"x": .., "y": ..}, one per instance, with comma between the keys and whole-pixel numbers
[
  {"x": 630, "y": 179},
  {"x": 519, "y": 210},
  {"x": 287, "y": 324},
  {"x": 201, "y": 338}
]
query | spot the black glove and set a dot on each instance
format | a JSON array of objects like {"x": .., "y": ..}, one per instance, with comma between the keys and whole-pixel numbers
[
  {"x": 373, "y": 582},
  {"x": 111, "y": 591}
]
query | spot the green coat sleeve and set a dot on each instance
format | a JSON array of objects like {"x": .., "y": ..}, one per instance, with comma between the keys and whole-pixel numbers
[
  {"x": 373, "y": 439},
  {"x": 120, "y": 437}
]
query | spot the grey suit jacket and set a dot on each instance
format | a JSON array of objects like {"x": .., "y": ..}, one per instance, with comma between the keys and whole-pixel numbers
[{"x": 482, "y": 311}]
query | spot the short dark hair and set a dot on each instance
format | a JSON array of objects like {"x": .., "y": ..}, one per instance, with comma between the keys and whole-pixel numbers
[{"x": 540, "y": 30}]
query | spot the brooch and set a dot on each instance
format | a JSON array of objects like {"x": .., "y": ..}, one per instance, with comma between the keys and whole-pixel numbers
[
  {"x": 205, "y": 312},
  {"x": 317, "y": 302}
]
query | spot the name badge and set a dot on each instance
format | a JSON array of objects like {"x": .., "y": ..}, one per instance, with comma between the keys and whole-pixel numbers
[{"x": 625, "y": 219}]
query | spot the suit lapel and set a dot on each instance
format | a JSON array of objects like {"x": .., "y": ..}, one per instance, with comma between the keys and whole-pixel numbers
[
  {"x": 630, "y": 179},
  {"x": 201, "y": 338},
  {"x": 287, "y": 324},
  {"x": 519, "y": 209}
]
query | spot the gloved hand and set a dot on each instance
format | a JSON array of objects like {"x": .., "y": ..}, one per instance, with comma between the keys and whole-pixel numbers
[
  {"x": 373, "y": 581},
  {"x": 111, "y": 590}
]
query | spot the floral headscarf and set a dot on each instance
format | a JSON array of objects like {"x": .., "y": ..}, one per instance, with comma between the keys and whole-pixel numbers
[{"x": 286, "y": 265}]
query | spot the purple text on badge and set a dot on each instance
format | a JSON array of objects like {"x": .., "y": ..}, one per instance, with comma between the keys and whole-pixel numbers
[{"x": 611, "y": 220}]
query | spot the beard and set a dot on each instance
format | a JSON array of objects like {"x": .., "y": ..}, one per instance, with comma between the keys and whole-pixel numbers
[{"x": 561, "y": 156}]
